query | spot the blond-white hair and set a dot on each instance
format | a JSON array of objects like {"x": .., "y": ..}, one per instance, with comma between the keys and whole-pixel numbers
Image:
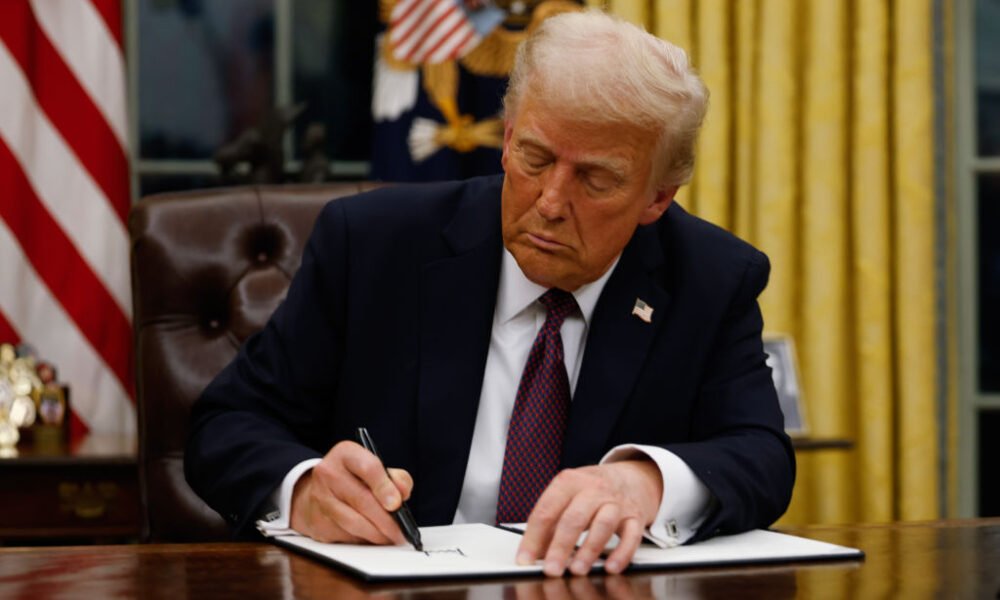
[{"x": 599, "y": 68}]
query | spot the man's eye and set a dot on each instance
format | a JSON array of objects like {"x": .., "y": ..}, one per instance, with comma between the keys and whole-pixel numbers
[
  {"x": 535, "y": 162},
  {"x": 600, "y": 183}
]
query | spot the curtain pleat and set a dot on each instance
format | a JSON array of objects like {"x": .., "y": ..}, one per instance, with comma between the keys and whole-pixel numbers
[
  {"x": 824, "y": 332},
  {"x": 818, "y": 149},
  {"x": 744, "y": 108},
  {"x": 916, "y": 364},
  {"x": 871, "y": 269},
  {"x": 712, "y": 188}
]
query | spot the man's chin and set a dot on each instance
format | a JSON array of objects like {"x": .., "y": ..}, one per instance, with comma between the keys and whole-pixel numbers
[
  {"x": 546, "y": 274},
  {"x": 544, "y": 267}
]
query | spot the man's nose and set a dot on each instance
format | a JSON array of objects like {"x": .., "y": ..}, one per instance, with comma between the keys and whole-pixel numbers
[{"x": 556, "y": 193}]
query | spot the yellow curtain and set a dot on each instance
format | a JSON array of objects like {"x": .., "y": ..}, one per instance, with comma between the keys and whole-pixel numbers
[{"x": 818, "y": 149}]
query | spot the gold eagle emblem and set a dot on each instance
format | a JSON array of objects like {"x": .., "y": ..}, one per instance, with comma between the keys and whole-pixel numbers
[{"x": 492, "y": 57}]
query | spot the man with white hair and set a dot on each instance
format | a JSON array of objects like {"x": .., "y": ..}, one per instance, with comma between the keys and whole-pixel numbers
[{"x": 562, "y": 345}]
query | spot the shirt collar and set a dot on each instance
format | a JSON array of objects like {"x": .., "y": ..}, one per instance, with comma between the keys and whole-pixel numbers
[{"x": 517, "y": 292}]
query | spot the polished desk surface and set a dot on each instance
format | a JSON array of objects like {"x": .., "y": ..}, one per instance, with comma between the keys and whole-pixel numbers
[{"x": 947, "y": 559}]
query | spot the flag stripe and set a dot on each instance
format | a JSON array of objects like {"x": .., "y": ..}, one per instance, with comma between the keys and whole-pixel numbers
[
  {"x": 402, "y": 30},
  {"x": 8, "y": 335},
  {"x": 436, "y": 24},
  {"x": 430, "y": 31},
  {"x": 62, "y": 184},
  {"x": 453, "y": 44},
  {"x": 94, "y": 58},
  {"x": 439, "y": 32},
  {"x": 67, "y": 275},
  {"x": 423, "y": 27},
  {"x": 402, "y": 11},
  {"x": 97, "y": 396},
  {"x": 111, "y": 13},
  {"x": 64, "y": 200},
  {"x": 67, "y": 104},
  {"x": 416, "y": 29}
]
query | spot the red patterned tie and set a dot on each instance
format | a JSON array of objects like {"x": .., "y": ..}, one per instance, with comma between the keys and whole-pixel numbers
[{"x": 537, "y": 425}]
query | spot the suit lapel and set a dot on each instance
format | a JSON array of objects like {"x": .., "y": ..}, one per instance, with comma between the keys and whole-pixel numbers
[
  {"x": 457, "y": 299},
  {"x": 616, "y": 349}
]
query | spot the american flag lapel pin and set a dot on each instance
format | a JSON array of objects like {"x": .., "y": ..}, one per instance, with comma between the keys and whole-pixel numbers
[{"x": 643, "y": 310}]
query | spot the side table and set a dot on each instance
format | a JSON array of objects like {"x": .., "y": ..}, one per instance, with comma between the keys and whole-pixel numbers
[{"x": 87, "y": 492}]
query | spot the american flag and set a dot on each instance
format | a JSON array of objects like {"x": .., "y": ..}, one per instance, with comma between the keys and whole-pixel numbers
[
  {"x": 431, "y": 31},
  {"x": 64, "y": 197},
  {"x": 643, "y": 311}
]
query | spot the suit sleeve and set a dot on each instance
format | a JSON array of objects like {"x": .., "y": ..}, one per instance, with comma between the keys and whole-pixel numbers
[
  {"x": 740, "y": 452},
  {"x": 271, "y": 408}
]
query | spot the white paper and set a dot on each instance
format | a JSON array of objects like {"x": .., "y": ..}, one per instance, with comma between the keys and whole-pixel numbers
[
  {"x": 450, "y": 550},
  {"x": 751, "y": 547},
  {"x": 473, "y": 549}
]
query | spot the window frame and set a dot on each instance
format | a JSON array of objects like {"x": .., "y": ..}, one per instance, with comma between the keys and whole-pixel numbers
[
  {"x": 283, "y": 96},
  {"x": 969, "y": 166}
]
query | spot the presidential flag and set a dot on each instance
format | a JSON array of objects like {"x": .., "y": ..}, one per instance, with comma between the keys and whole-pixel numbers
[
  {"x": 64, "y": 197},
  {"x": 440, "y": 75}
]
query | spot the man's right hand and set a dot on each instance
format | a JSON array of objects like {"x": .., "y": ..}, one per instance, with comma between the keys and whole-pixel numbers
[{"x": 347, "y": 497}]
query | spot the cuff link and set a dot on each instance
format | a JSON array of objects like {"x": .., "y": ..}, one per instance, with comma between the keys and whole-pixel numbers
[{"x": 672, "y": 528}]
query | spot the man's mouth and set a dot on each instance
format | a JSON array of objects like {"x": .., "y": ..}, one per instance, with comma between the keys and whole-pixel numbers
[{"x": 544, "y": 242}]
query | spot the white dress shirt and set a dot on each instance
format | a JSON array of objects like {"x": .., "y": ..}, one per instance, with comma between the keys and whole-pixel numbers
[{"x": 517, "y": 318}]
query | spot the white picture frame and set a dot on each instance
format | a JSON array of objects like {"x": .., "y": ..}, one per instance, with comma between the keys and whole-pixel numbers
[{"x": 780, "y": 349}]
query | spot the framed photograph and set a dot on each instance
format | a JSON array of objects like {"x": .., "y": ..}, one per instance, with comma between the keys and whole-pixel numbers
[{"x": 780, "y": 351}]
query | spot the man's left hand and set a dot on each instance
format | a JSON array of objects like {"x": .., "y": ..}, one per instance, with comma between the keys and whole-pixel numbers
[{"x": 620, "y": 497}]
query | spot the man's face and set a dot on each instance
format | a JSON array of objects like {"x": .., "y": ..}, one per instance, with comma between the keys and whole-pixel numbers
[{"x": 573, "y": 194}]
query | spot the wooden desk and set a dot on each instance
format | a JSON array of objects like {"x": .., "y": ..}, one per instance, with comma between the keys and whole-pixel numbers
[
  {"x": 958, "y": 559},
  {"x": 89, "y": 491}
]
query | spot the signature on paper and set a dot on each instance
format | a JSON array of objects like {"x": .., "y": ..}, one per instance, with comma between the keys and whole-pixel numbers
[{"x": 457, "y": 551}]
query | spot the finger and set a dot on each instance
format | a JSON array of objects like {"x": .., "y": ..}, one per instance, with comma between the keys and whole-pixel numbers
[
  {"x": 314, "y": 511},
  {"x": 360, "y": 499},
  {"x": 574, "y": 520},
  {"x": 346, "y": 502},
  {"x": 602, "y": 526},
  {"x": 403, "y": 481},
  {"x": 354, "y": 523},
  {"x": 630, "y": 535},
  {"x": 337, "y": 473},
  {"x": 324, "y": 529},
  {"x": 368, "y": 468},
  {"x": 542, "y": 522},
  {"x": 307, "y": 515}
]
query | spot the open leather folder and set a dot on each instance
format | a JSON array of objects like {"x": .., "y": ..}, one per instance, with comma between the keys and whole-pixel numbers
[{"x": 477, "y": 550}]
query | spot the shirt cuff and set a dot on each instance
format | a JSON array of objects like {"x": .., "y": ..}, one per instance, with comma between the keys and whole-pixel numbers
[
  {"x": 275, "y": 522},
  {"x": 686, "y": 502}
]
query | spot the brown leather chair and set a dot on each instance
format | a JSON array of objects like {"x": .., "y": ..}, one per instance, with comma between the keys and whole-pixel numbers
[{"x": 208, "y": 269}]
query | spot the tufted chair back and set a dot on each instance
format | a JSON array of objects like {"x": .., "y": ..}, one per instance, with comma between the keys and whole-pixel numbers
[{"x": 208, "y": 269}]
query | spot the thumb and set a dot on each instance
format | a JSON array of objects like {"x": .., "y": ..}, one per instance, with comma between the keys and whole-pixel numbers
[{"x": 403, "y": 481}]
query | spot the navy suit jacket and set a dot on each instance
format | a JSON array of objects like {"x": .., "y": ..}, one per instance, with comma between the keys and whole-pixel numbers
[{"x": 387, "y": 325}]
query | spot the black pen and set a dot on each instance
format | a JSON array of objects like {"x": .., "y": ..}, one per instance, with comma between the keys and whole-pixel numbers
[{"x": 404, "y": 518}]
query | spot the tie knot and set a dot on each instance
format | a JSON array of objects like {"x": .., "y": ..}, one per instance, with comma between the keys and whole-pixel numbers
[{"x": 559, "y": 305}]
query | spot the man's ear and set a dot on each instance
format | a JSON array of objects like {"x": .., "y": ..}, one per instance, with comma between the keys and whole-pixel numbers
[
  {"x": 660, "y": 203},
  {"x": 508, "y": 130}
]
